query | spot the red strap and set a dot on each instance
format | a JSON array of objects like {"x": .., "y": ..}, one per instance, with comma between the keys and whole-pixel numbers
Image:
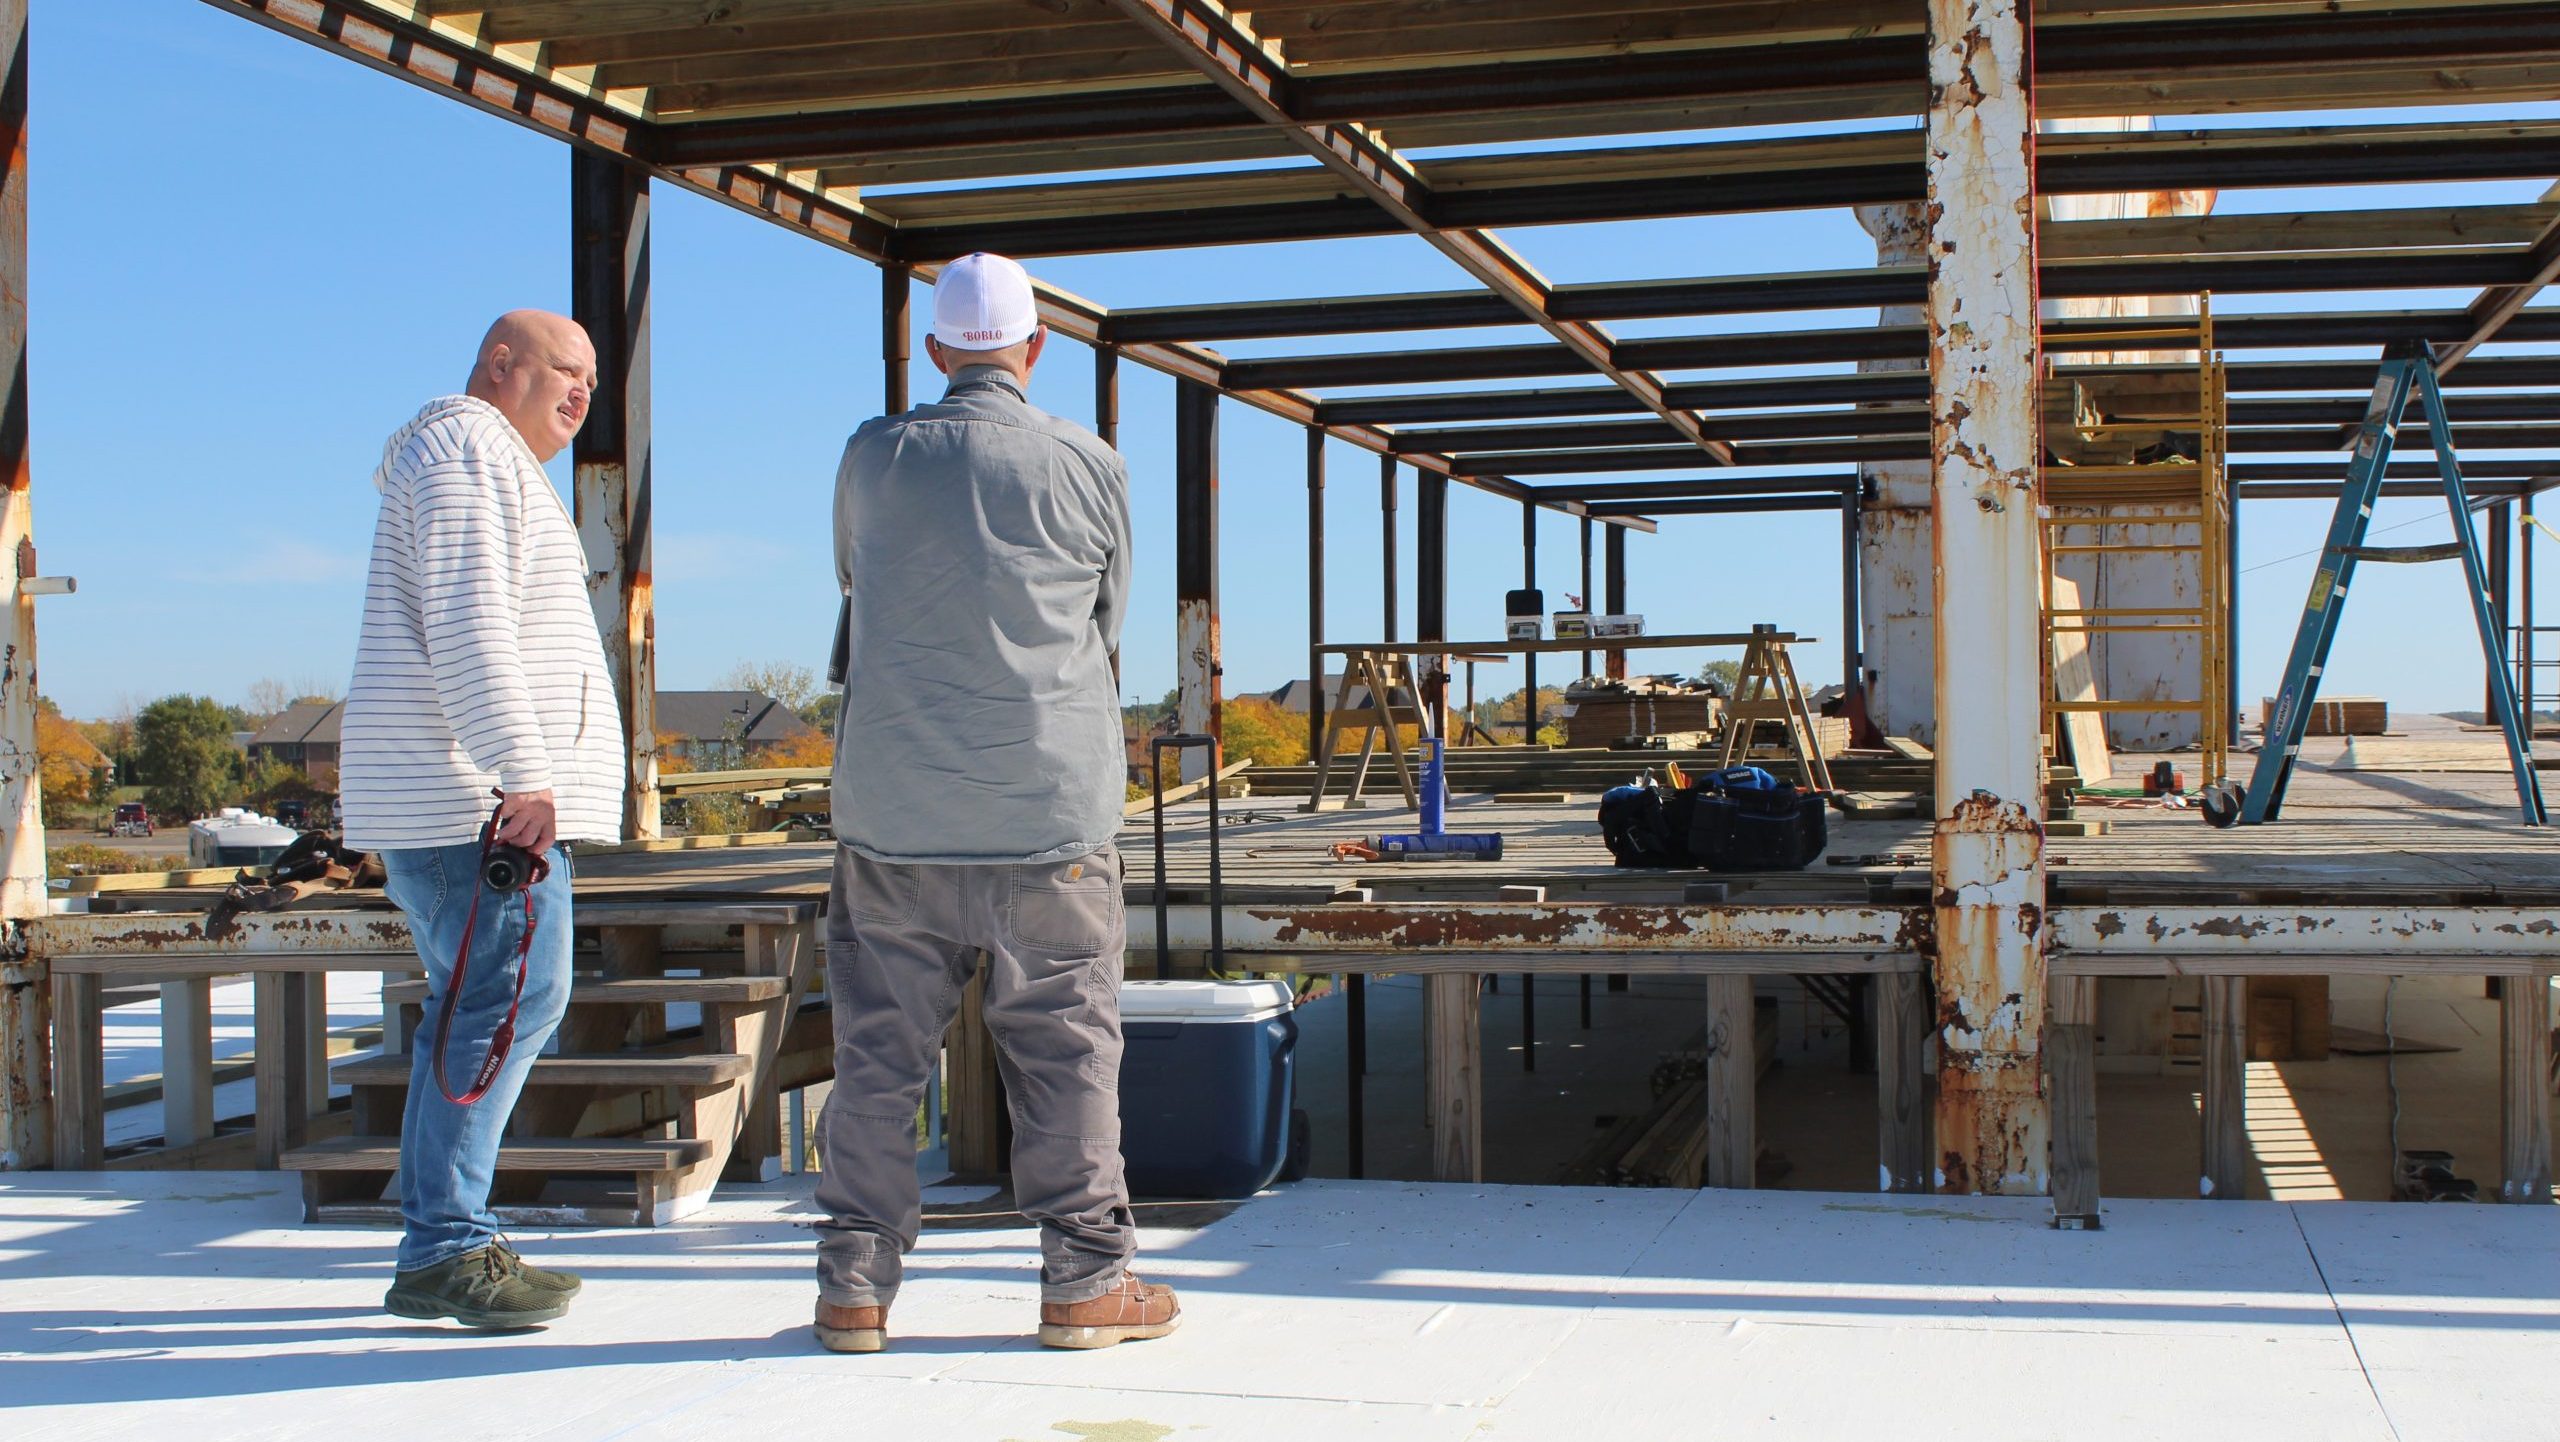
[{"x": 505, "y": 1036}]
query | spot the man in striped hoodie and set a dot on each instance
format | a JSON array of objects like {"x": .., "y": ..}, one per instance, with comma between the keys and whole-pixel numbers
[{"x": 480, "y": 683}]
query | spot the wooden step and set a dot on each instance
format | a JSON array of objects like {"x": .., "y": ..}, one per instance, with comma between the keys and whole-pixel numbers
[
  {"x": 633, "y": 991},
  {"x": 706, "y": 1069},
  {"x": 567, "y": 1154}
]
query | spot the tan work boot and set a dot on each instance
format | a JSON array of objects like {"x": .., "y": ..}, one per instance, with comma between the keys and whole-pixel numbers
[
  {"x": 1132, "y": 1311},
  {"x": 852, "y": 1329}
]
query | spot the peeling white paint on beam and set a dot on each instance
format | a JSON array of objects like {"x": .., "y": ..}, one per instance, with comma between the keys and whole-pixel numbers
[{"x": 1988, "y": 854}]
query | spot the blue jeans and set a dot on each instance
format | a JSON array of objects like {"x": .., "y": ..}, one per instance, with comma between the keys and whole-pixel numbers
[{"x": 449, "y": 1153}]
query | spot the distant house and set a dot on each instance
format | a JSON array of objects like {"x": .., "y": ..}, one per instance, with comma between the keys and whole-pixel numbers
[
  {"x": 711, "y": 728},
  {"x": 716, "y": 729},
  {"x": 303, "y": 736}
]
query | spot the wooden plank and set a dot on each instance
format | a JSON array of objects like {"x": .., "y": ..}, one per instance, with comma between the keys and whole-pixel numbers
[
  {"x": 633, "y": 991},
  {"x": 2071, "y": 1065},
  {"x": 186, "y": 1061},
  {"x": 280, "y": 1008},
  {"x": 1453, "y": 1075},
  {"x": 1904, "y": 1121},
  {"x": 2524, "y": 1090},
  {"x": 784, "y": 953},
  {"x": 1146, "y": 805},
  {"x": 708, "y": 1069},
  {"x": 2226, "y": 1083},
  {"x": 79, "y": 1073},
  {"x": 1733, "y": 1140},
  {"x": 974, "y": 1093},
  {"x": 1668, "y": 963},
  {"x": 156, "y": 966},
  {"x": 2075, "y": 679},
  {"x": 560, "y": 1154}
]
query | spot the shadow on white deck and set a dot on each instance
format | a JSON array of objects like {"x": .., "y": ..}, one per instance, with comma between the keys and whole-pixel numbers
[{"x": 195, "y": 1307}]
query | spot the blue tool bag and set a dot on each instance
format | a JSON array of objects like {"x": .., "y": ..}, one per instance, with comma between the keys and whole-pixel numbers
[
  {"x": 1747, "y": 820},
  {"x": 1738, "y": 819}
]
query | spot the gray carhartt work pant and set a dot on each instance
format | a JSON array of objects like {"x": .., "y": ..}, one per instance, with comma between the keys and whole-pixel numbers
[{"x": 901, "y": 943}]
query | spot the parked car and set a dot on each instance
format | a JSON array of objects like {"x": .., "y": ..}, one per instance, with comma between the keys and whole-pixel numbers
[
  {"x": 296, "y": 814},
  {"x": 132, "y": 818}
]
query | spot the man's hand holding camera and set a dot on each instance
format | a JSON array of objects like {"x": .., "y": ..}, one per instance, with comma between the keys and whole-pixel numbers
[{"x": 528, "y": 819}]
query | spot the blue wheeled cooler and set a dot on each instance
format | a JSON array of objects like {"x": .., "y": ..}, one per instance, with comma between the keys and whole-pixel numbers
[{"x": 1206, "y": 1086}]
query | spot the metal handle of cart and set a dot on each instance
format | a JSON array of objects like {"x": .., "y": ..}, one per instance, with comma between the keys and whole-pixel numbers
[{"x": 1217, "y": 876}]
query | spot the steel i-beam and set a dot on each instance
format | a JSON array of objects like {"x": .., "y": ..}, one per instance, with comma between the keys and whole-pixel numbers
[{"x": 1224, "y": 49}]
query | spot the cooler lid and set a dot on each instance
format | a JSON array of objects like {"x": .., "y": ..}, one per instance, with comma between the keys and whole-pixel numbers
[{"x": 1203, "y": 1000}]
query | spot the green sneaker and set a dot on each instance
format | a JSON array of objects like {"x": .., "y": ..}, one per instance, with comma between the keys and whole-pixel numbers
[
  {"x": 485, "y": 1289},
  {"x": 565, "y": 1283}
]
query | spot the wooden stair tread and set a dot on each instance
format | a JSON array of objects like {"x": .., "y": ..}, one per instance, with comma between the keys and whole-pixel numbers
[
  {"x": 632, "y": 991},
  {"x": 550, "y": 1154},
  {"x": 703, "y": 1069}
]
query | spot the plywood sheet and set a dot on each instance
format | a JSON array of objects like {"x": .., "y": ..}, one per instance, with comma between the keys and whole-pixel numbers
[{"x": 2075, "y": 678}]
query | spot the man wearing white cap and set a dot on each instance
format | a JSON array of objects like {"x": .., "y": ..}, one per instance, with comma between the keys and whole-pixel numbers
[{"x": 983, "y": 546}]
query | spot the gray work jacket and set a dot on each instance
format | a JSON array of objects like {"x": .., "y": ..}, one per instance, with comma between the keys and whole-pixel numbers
[{"x": 984, "y": 547}]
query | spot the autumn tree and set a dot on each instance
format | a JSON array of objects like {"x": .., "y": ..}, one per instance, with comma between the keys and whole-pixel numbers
[
  {"x": 69, "y": 764},
  {"x": 1255, "y": 727},
  {"x": 812, "y": 748}
]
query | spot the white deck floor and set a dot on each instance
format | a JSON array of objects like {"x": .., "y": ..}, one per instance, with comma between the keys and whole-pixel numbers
[{"x": 192, "y": 1307}]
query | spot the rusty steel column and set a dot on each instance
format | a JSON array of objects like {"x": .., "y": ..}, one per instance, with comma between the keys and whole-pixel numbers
[
  {"x": 1195, "y": 565},
  {"x": 26, "y": 1067},
  {"x": 1988, "y": 845},
  {"x": 1315, "y": 592},
  {"x": 1586, "y": 584},
  {"x": 609, "y": 295},
  {"x": 1431, "y": 580},
  {"x": 1614, "y": 552}
]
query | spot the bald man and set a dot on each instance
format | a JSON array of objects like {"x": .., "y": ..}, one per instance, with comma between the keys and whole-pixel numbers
[{"x": 480, "y": 715}]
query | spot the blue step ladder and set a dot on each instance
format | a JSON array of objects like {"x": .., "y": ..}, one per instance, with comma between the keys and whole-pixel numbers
[{"x": 2403, "y": 370}]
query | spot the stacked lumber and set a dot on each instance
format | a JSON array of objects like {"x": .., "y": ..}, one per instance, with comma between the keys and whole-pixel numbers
[
  {"x": 2337, "y": 716},
  {"x": 1666, "y": 1144},
  {"x": 1597, "y": 712}
]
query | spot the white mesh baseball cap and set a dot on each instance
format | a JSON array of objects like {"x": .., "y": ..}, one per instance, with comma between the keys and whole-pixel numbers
[{"x": 983, "y": 302}]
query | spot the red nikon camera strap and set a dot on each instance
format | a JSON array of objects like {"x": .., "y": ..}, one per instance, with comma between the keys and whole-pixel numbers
[{"x": 504, "y": 1038}]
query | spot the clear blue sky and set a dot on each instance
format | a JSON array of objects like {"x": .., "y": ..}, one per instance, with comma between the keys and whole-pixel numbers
[{"x": 252, "y": 261}]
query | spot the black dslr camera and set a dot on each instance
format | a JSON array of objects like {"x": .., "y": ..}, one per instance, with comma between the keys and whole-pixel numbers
[{"x": 505, "y": 868}]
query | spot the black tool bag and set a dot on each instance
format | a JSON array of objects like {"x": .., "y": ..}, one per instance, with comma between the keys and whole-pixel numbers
[
  {"x": 1753, "y": 828},
  {"x": 1648, "y": 825}
]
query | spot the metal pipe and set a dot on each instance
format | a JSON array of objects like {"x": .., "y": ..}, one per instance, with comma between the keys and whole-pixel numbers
[
  {"x": 1195, "y": 566},
  {"x": 2502, "y": 528},
  {"x": 1431, "y": 581},
  {"x": 1586, "y": 670},
  {"x": 2524, "y": 636},
  {"x": 1853, "y": 660},
  {"x": 1529, "y": 661},
  {"x": 609, "y": 296},
  {"x": 1988, "y": 841},
  {"x": 1315, "y": 592},
  {"x": 1614, "y": 552},
  {"x": 1387, "y": 521},
  {"x": 26, "y": 1063},
  {"x": 896, "y": 335},
  {"x": 1106, "y": 394}
]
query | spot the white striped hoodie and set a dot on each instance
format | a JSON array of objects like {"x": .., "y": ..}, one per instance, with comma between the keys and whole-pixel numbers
[{"x": 478, "y": 665}]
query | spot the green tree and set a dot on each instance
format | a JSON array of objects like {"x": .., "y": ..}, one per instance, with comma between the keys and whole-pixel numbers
[
  {"x": 182, "y": 747},
  {"x": 822, "y": 711}
]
